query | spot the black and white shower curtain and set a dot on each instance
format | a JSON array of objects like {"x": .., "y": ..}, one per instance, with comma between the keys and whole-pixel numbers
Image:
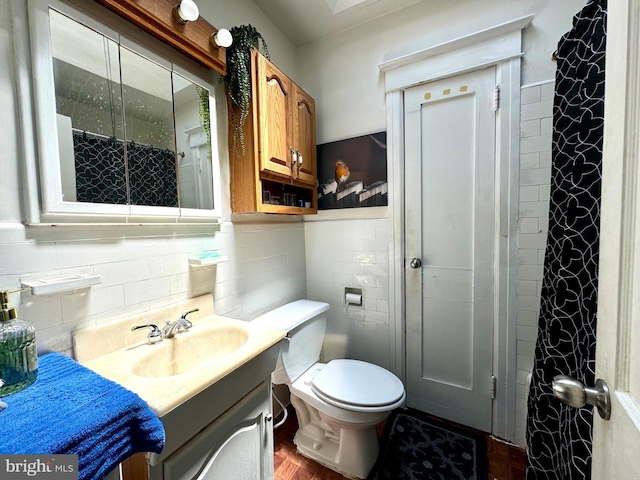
[
  {"x": 102, "y": 169},
  {"x": 559, "y": 437}
]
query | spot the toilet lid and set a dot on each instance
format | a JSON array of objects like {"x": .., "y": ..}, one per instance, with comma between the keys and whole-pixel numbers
[{"x": 352, "y": 382}]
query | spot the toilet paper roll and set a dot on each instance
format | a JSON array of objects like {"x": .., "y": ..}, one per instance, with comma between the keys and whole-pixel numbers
[{"x": 353, "y": 299}]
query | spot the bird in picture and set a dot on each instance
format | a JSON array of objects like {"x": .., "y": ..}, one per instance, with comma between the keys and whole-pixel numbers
[{"x": 342, "y": 174}]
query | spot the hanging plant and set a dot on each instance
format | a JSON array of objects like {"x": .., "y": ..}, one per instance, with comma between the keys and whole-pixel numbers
[
  {"x": 205, "y": 115},
  {"x": 238, "y": 77}
]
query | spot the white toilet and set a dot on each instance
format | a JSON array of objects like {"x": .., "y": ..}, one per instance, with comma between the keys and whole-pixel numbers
[{"x": 339, "y": 403}]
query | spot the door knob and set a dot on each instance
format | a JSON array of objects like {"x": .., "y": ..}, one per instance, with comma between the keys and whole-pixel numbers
[
  {"x": 573, "y": 393},
  {"x": 415, "y": 263}
]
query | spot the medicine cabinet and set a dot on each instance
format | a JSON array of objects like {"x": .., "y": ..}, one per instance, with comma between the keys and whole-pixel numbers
[{"x": 125, "y": 128}]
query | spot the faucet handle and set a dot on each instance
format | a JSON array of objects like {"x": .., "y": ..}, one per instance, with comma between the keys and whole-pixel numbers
[
  {"x": 184, "y": 315},
  {"x": 186, "y": 324},
  {"x": 154, "y": 335}
]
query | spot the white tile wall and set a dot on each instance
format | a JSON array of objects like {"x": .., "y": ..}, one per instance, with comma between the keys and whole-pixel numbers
[
  {"x": 535, "y": 179},
  {"x": 271, "y": 264},
  {"x": 351, "y": 253},
  {"x": 354, "y": 253},
  {"x": 144, "y": 268}
]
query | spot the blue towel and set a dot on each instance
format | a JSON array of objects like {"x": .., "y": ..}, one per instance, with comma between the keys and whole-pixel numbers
[{"x": 73, "y": 410}]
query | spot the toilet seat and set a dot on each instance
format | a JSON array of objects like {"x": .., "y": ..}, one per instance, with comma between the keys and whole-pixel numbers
[{"x": 357, "y": 385}]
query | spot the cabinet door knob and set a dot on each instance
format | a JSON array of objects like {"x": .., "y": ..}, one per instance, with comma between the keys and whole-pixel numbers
[
  {"x": 294, "y": 158},
  {"x": 299, "y": 160}
]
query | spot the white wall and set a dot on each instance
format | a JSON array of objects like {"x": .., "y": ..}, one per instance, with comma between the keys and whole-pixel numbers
[
  {"x": 341, "y": 73},
  {"x": 9, "y": 160},
  {"x": 142, "y": 267},
  {"x": 226, "y": 14}
]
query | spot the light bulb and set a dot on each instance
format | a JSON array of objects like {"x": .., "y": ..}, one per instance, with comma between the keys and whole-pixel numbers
[
  {"x": 186, "y": 11},
  {"x": 222, "y": 38}
]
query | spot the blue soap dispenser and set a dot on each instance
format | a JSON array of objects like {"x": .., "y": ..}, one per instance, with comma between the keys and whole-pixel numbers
[{"x": 18, "y": 352}]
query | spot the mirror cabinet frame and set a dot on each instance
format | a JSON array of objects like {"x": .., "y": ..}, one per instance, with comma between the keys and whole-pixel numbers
[{"x": 37, "y": 104}]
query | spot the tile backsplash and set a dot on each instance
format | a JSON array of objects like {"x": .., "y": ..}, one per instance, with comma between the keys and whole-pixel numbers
[
  {"x": 146, "y": 267},
  {"x": 351, "y": 253}
]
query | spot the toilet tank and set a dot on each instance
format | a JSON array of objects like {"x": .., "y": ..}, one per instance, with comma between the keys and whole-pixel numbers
[{"x": 305, "y": 322}]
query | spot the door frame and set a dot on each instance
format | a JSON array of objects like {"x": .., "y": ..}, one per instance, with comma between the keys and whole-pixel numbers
[
  {"x": 499, "y": 46},
  {"x": 614, "y": 450}
]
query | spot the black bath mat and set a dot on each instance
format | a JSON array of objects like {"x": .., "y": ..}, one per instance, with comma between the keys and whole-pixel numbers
[{"x": 415, "y": 447}]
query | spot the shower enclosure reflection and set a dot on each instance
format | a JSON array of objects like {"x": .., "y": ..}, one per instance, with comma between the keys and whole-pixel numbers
[
  {"x": 193, "y": 143},
  {"x": 131, "y": 131}
]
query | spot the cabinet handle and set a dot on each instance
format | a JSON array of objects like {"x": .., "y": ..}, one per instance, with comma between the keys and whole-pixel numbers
[
  {"x": 294, "y": 159},
  {"x": 299, "y": 161}
]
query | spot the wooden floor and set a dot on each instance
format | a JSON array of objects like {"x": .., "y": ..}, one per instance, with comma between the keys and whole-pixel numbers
[{"x": 506, "y": 462}]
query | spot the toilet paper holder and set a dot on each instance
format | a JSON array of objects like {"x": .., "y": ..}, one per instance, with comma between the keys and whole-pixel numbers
[{"x": 353, "y": 297}]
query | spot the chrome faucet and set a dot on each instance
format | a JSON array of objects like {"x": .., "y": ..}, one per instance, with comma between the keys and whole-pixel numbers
[
  {"x": 154, "y": 335},
  {"x": 180, "y": 325}
]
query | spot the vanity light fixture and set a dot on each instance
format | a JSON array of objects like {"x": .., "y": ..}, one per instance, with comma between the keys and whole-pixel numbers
[
  {"x": 186, "y": 11},
  {"x": 222, "y": 38}
]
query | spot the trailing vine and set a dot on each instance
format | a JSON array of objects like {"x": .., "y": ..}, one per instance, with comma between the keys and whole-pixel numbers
[
  {"x": 238, "y": 77},
  {"x": 205, "y": 115}
]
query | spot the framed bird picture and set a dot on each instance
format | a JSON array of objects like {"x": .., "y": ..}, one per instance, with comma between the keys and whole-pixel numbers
[{"x": 352, "y": 173}]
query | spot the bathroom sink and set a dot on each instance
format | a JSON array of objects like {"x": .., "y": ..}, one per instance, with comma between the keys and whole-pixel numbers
[
  {"x": 168, "y": 373},
  {"x": 187, "y": 351}
]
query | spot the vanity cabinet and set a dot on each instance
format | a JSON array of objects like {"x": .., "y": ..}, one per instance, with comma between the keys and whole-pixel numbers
[
  {"x": 225, "y": 431},
  {"x": 239, "y": 445},
  {"x": 276, "y": 173}
]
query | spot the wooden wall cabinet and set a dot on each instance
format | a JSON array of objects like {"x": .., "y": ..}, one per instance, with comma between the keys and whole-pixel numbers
[{"x": 277, "y": 171}]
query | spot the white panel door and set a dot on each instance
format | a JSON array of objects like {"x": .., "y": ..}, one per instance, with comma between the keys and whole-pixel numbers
[
  {"x": 450, "y": 228},
  {"x": 616, "y": 445}
]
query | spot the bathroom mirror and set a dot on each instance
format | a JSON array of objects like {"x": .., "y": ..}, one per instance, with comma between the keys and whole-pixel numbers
[{"x": 132, "y": 132}]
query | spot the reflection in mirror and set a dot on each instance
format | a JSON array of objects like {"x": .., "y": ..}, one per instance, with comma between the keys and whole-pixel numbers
[
  {"x": 191, "y": 104},
  {"x": 114, "y": 156},
  {"x": 150, "y": 147},
  {"x": 89, "y": 113}
]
